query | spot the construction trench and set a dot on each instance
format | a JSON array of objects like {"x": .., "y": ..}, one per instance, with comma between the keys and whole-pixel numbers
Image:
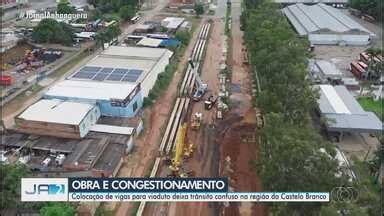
[
  {"x": 180, "y": 108},
  {"x": 221, "y": 147}
]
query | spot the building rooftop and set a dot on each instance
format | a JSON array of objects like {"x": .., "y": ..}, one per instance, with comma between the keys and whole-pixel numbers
[
  {"x": 56, "y": 111},
  {"x": 311, "y": 1},
  {"x": 91, "y": 90},
  {"x": 344, "y": 112},
  {"x": 136, "y": 52},
  {"x": 121, "y": 64},
  {"x": 172, "y": 22},
  {"x": 327, "y": 68},
  {"x": 321, "y": 18},
  {"x": 149, "y": 42}
]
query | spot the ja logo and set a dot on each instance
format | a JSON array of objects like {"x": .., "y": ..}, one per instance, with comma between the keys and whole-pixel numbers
[{"x": 51, "y": 189}]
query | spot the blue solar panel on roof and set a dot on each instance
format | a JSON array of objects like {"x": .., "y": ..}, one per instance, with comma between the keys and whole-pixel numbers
[
  {"x": 138, "y": 72},
  {"x": 90, "y": 68},
  {"x": 120, "y": 71},
  {"x": 106, "y": 70},
  {"x": 100, "y": 76},
  {"x": 115, "y": 77},
  {"x": 108, "y": 73},
  {"x": 84, "y": 75},
  {"x": 130, "y": 78}
]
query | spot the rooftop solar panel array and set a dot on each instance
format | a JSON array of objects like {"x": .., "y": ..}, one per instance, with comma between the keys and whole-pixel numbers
[{"x": 109, "y": 74}]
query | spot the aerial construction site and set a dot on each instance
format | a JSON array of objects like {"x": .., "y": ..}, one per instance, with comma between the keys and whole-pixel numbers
[{"x": 173, "y": 90}]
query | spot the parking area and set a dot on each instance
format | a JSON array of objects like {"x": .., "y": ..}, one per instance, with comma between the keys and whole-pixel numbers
[
  {"x": 342, "y": 56},
  {"x": 358, "y": 146}
]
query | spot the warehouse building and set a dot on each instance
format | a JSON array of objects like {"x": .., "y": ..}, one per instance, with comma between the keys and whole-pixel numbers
[
  {"x": 322, "y": 71},
  {"x": 172, "y": 23},
  {"x": 325, "y": 25},
  {"x": 344, "y": 113},
  {"x": 57, "y": 117},
  {"x": 338, "y": 2},
  {"x": 116, "y": 81}
]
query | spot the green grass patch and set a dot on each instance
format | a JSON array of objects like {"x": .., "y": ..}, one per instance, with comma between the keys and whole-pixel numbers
[
  {"x": 69, "y": 65},
  {"x": 227, "y": 20},
  {"x": 369, "y": 104}
]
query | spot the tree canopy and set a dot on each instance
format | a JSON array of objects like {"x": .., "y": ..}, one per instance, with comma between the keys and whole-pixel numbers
[
  {"x": 183, "y": 36},
  {"x": 51, "y": 31},
  {"x": 10, "y": 179},
  {"x": 127, "y": 12},
  {"x": 57, "y": 209},
  {"x": 289, "y": 154},
  {"x": 370, "y": 7},
  {"x": 64, "y": 7},
  {"x": 108, "y": 34},
  {"x": 199, "y": 9}
]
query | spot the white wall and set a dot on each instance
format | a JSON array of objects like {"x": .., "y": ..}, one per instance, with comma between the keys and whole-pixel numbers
[
  {"x": 335, "y": 39},
  {"x": 149, "y": 81},
  {"x": 89, "y": 120}
]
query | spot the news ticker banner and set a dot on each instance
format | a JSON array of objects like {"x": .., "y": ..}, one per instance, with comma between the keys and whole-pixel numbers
[{"x": 151, "y": 190}]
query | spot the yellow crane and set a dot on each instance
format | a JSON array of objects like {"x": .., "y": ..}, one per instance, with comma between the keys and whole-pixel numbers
[{"x": 180, "y": 139}]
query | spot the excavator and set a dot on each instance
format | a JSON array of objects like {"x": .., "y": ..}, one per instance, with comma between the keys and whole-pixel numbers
[{"x": 201, "y": 88}]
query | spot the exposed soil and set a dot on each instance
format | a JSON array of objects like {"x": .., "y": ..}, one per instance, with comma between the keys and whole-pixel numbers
[
  {"x": 205, "y": 161},
  {"x": 146, "y": 147},
  {"x": 238, "y": 142},
  {"x": 14, "y": 54}
]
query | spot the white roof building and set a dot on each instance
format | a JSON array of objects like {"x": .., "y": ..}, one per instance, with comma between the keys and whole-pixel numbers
[
  {"x": 344, "y": 113},
  {"x": 114, "y": 74},
  {"x": 172, "y": 22},
  {"x": 312, "y": 1},
  {"x": 56, "y": 111},
  {"x": 87, "y": 35},
  {"x": 89, "y": 90},
  {"x": 324, "y": 24},
  {"x": 149, "y": 42},
  {"x": 324, "y": 71},
  {"x": 54, "y": 117}
]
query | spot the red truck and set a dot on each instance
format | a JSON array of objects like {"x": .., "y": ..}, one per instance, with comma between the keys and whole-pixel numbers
[
  {"x": 5, "y": 80},
  {"x": 357, "y": 70}
]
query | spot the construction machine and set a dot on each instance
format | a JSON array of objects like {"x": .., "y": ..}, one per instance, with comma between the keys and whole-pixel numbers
[
  {"x": 208, "y": 104},
  {"x": 201, "y": 88},
  {"x": 181, "y": 153},
  {"x": 180, "y": 139},
  {"x": 196, "y": 120}
]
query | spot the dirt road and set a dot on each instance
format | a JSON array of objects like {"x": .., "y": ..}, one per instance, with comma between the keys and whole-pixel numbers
[
  {"x": 205, "y": 159},
  {"x": 238, "y": 146},
  {"x": 146, "y": 147}
]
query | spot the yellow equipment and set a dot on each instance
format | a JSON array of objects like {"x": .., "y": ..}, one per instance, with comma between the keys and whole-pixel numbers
[
  {"x": 176, "y": 161},
  {"x": 188, "y": 151},
  {"x": 196, "y": 121}
]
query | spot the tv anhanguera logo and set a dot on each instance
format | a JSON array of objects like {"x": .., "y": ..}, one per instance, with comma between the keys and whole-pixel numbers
[{"x": 51, "y": 189}]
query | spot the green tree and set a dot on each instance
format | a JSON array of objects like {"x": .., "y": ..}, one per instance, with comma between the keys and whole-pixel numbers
[
  {"x": 291, "y": 160},
  {"x": 199, "y": 9},
  {"x": 107, "y": 35},
  {"x": 10, "y": 179},
  {"x": 51, "y": 31},
  {"x": 375, "y": 68},
  {"x": 370, "y": 7},
  {"x": 64, "y": 7},
  {"x": 57, "y": 209},
  {"x": 183, "y": 36},
  {"x": 127, "y": 12}
]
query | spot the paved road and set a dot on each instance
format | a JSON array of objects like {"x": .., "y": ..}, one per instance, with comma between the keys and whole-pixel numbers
[
  {"x": 147, "y": 15},
  {"x": 221, "y": 8}
]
